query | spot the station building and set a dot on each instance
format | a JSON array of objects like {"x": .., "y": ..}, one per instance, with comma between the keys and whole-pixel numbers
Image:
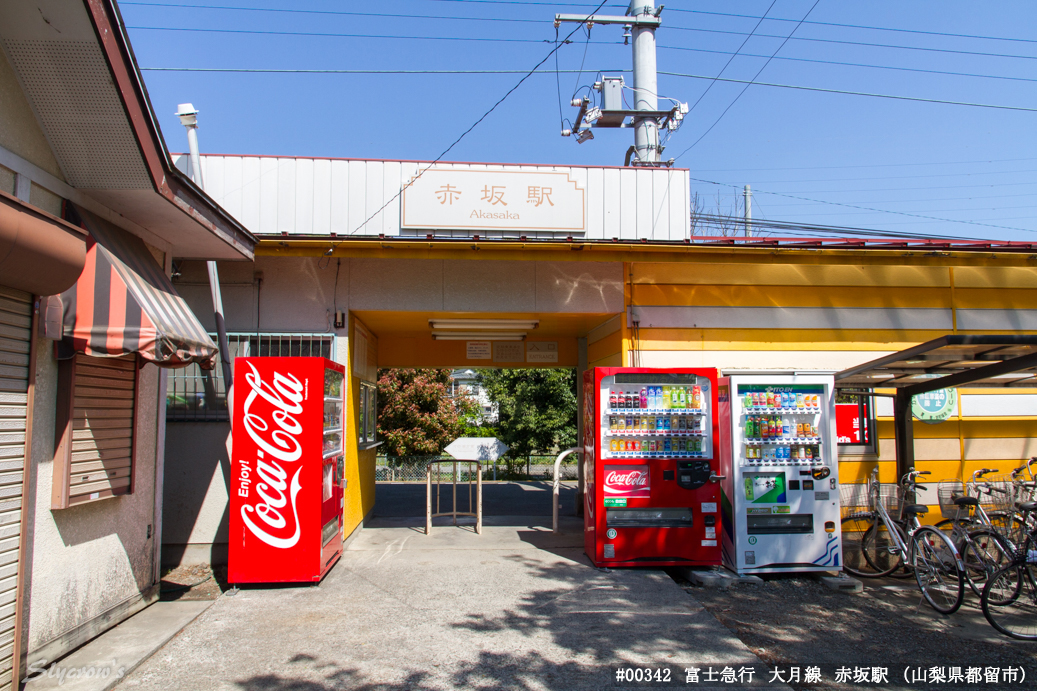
[{"x": 362, "y": 260}]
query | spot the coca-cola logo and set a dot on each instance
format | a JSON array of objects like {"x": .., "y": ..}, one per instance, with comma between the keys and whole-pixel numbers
[
  {"x": 626, "y": 481},
  {"x": 275, "y": 434}
]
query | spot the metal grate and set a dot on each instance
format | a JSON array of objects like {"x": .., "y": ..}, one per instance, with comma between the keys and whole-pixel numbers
[{"x": 196, "y": 395}]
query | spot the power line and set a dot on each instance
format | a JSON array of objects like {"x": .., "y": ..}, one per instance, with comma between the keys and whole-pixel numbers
[
  {"x": 733, "y": 55},
  {"x": 850, "y": 64},
  {"x": 465, "y": 133},
  {"x": 338, "y": 35},
  {"x": 545, "y": 21},
  {"x": 758, "y": 73},
  {"x": 379, "y": 15},
  {"x": 897, "y": 177},
  {"x": 577, "y": 4},
  {"x": 260, "y": 70},
  {"x": 865, "y": 208},
  {"x": 869, "y": 165},
  {"x": 861, "y": 43},
  {"x": 491, "y": 39},
  {"x": 850, "y": 26},
  {"x": 854, "y": 93}
]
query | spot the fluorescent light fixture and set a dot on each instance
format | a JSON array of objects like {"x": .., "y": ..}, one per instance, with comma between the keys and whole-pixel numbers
[
  {"x": 479, "y": 336},
  {"x": 484, "y": 324}
]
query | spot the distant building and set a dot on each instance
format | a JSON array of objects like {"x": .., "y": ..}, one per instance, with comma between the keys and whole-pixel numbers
[{"x": 466, "y": 381}]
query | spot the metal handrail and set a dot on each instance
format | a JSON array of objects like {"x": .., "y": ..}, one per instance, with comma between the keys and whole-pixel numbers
[
  {"x": 455, "y": 513},
  {"x": 554, "y": 498}
]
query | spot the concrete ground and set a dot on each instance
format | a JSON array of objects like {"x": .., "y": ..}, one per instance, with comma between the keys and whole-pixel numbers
[{"x": 515, "y": 608}]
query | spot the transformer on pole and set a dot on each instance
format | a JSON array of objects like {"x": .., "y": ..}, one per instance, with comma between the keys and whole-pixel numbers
[{"x": 642, "y": 19}]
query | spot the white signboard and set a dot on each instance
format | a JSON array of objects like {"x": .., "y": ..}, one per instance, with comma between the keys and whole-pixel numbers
[
  {"x": 494, "y": 200},
  {"x": 478, "y": 350},
  {"x": 476, "y": 448},
  {"x": 541, "y": 351}
]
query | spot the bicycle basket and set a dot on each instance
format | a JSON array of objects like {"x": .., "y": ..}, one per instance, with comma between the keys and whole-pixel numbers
[
  {"x": 997, "y": 494},
  {"x": 855, "y": 497},
  {"x": 948, "y": 491}
]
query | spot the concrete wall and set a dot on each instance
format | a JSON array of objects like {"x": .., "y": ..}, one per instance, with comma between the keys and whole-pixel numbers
[
  {"x": 194, "y": 497},
  {"x": 93, "y": 564},
  {"x": 301, "y": 294}
]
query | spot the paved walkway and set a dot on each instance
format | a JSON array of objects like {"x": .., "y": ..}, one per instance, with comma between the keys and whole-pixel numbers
[{"x": 515, "y": 608}]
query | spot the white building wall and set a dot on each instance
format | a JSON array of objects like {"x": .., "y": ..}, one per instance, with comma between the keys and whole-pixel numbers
[{"x": 308, "y": 196}]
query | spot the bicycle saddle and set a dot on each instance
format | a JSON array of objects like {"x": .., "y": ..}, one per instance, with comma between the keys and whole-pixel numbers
[
  {"x": 1028, "y": 506},
  {"x": 916, "y": 509},
  {"x": 966, "y": 501}
]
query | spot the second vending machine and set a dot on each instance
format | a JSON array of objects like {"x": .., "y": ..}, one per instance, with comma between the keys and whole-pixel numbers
[
  {"x": 652, "y": 493},
  {"x": 781, "y": 487}
]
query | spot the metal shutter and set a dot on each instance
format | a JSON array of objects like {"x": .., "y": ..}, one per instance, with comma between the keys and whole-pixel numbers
[
  {"x": 15, "y": 336},
  {"x": 101, "y": 464}
]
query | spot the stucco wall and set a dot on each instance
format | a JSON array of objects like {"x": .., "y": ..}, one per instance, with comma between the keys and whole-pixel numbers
[
  {"x": 89, "y": 558},
  {"x": 19, "y": 131}
]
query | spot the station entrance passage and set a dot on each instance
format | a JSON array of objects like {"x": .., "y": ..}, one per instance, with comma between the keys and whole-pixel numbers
[{"x": 472, "y": 341}]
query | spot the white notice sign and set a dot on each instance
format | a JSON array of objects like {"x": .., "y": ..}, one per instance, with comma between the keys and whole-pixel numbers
[
  {"x": 478, "y": 350},
  {"x": 494, "y": 200},
  {"x": 541, "y": 351},
  {"x": 508, "y": 351}
]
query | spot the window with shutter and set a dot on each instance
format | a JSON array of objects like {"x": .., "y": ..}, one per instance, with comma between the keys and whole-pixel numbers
[{"x": 97, "y": 398}]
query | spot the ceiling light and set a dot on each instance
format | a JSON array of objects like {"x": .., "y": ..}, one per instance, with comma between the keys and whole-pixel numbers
[
  {"x": 484, "y": 324},
  {"x": 477, "y": 336}
]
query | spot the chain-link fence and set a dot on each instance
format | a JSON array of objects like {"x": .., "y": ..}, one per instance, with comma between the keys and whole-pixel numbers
[{"x": 412, "y": 469}]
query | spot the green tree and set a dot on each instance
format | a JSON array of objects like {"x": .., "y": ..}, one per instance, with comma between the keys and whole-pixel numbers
[
  {"x": 537, "y": 408},
  {"x": 417, "y": 416}
]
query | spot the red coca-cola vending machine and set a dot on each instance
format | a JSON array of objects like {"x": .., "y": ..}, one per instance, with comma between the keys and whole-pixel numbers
[
  {"x": 287, "y": 469},
  {"x": 650, "y": 467}
]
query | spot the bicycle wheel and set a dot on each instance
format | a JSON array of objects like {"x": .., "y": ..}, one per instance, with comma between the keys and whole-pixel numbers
[
  {"x": 983, "y": 553},
  {"x": 938, "y": 569},
  {"x": 1009, "y": 601},
  {"x": 869, "y": 551}
]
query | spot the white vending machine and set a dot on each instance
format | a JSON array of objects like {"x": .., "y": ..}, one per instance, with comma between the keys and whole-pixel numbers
[{"x": 780, "y": 499}]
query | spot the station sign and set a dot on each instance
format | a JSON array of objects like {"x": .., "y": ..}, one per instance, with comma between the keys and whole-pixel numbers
[{"x": 480, "y": 199}]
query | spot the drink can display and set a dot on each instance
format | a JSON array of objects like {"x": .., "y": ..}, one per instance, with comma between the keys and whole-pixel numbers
[
  {"x": 637, "y": 445},
  {"x": 696, "y": 395},
  {"x": 630, "y": 422},
  {"x": 644, "y": 423},
  {"x": 748, "y": 400},
  {"x": 659, "y": 422},
  {"x": 621, "y": 423},
  {"x": 667, "y": 448},
  {"x": 817, "y": 401},
  {"x": 612, "y": 423},
  {"x": 666, "y": 423},
  {"x": 682, "y": 423},
  {"x": 769, "y": 401},
  {"x": 799, "y": 400},
  {"x": 614, "y": 445},
  {"x": 810, "y": 453}
]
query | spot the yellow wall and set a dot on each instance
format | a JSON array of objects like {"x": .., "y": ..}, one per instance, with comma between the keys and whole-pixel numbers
[
  {"x": 952, "y": 449},
  {"x": 360, "y": 465}
]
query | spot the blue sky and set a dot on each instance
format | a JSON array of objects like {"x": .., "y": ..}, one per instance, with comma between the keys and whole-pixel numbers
[{"x": 810, "y": 156}]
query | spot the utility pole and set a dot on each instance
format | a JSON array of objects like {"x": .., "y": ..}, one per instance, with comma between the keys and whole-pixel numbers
[
  {"x": 646, "y": 80},
  {"x": 642, "y": 18},
  {"x": 747, "y": 195},
  {"x": 189, "y": 119}
]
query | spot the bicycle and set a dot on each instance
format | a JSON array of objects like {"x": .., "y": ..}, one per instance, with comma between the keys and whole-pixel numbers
[
  {"x": 1009, "y": 600},
  {"x": 883, "y": 544},
  {"x": 983, "y": 549}
]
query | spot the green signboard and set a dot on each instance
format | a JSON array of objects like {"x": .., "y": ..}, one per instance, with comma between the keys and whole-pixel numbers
[{"x": 935, "y": 406}]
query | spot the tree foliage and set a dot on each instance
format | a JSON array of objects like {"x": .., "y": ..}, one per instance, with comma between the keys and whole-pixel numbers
[
  {"x": 537, "y": 408},
  {"x": 416, "y": 413}
]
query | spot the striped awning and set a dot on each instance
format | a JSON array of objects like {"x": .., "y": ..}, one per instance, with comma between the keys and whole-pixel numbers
[{"x": 123, "y": 303}]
